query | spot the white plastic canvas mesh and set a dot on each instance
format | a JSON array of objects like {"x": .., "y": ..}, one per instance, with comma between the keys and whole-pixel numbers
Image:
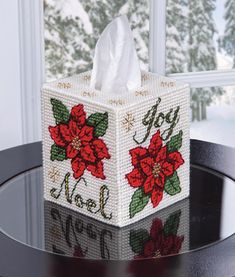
[{"x": 125, "y": 119}]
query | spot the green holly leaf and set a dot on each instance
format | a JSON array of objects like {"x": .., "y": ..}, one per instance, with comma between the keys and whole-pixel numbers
[
  {"x": 138, "y": 201},
  {"x": 137, "y": 240},
  {"x": 60, "y": 111},
  {"x": 100, "y": 123},
  {"x": 58, "y": 153},
  {"x": 172, "y": 185},
  {"x": 175, "y": 142},
  {"x": 172, "y": 224}
]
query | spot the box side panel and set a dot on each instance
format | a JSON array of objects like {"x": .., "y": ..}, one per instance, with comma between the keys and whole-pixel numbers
[
  {"x": 154, "y": 164},
  {"x": 79, "y": 164}
]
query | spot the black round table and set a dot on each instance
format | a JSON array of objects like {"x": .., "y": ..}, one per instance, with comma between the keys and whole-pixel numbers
[{"x": 39, "y": 238}]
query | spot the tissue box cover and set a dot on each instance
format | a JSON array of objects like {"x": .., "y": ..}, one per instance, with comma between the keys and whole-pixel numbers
[
  {"x": 73, "y": 234},
  {"x": 116, "y": 157}
]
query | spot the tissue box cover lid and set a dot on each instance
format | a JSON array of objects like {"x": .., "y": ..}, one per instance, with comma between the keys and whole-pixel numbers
[{"x": 79, "y": 85}]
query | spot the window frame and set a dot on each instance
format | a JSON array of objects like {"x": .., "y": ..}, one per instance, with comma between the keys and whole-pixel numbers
[
  {"x": 157, "y": 54},
  {"x": 32, "y": 69},
  {"x": 31, "y": 52}
]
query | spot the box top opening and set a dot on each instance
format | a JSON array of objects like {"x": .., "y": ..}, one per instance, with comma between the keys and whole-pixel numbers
[{"x": 153, "y": 86}]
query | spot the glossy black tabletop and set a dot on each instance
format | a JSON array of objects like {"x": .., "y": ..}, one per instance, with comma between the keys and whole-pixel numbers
[
  {"x": 40, "y": 238},
  {"x": 202, "y": 219}
]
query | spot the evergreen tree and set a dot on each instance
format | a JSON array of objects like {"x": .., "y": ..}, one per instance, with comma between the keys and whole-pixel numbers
[
  {"x": 176, "y": 35},
  {"x": 202, "y": 52},
  {"x": 63, "y": 31},
  {"x": 227, "y": 42},
  {"x": 73, "y": 27},
  {"x": 138, "y": 14}
]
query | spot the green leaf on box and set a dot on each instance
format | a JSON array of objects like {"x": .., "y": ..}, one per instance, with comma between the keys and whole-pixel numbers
[
  {"x": 58, "y": 153},
  {"x": 138, "y": 201},
  {"x": 100, "y": 123},
  {"x": 60, "y": 112},
  {"x": 175, "y": 142},
  {"x": 172, "y": 185}
]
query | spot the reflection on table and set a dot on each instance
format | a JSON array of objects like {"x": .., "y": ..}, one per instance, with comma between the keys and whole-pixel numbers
[
  {"x": 205, "y": 219},
  {"x": 69, "y": 233}
]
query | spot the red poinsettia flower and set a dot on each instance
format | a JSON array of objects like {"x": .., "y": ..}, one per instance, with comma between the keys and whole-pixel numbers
[
  {"x": 152, "y": 166},
  {"x": 160, "y": 244},
  {"x": 84, "y": 150}
]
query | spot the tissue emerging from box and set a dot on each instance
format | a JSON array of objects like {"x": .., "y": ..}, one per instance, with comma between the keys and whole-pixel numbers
[
  {"x": 116, "y": 66},
  {"x": 116, "y": 158}
]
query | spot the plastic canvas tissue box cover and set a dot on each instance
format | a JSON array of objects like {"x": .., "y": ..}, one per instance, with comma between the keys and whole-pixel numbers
[{"x": 116, "y": 158}]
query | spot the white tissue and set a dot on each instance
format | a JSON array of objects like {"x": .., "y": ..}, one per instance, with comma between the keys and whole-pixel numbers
[{"x": 116, "y": 66}]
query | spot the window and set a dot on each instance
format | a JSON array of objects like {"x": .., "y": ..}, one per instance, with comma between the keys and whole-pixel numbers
[
  {"x": 200, "y": 35},
  {"x": 72, "y": 29},
  {"x": 216, "y": 122},
  {"x": 200, "y": 50},
  {"x": 189, "y": 40}
]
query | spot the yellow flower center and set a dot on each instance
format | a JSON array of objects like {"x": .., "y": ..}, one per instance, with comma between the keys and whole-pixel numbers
[
  {"x": 76, "y": 143},
  {"x": 156, "y": 170}
]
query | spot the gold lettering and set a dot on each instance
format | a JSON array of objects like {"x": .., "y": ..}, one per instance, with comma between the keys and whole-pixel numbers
[
  {"x": 64, "y": 85},
  {"x": 89, "y": 204}
]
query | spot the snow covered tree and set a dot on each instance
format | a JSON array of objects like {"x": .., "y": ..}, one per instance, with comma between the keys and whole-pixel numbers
[
  {"x": 227, "y": 42},
  {"x": 67, "y": 28},
  {"x": 202, "y": 52},
  {"x": 102, "y": 12},
  {"x": 176, "y": 35},
  {"x": 138, "y": 14},
  {"x": 72, "y": 28}
]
